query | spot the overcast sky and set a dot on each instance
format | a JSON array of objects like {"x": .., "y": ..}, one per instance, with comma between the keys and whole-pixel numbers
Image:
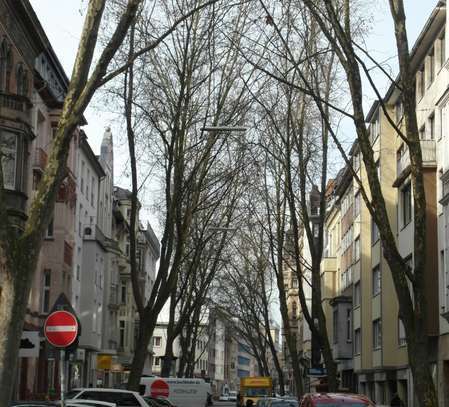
[{"x": 63, "y": 20}]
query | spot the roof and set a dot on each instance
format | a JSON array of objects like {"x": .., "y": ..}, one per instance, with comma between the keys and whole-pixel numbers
[
  {"x": 43, "y": 45},
  {"x": 86, "y": 148},
  {"x": 122, "y": 193},
  {"x": 424, "y": 41}
]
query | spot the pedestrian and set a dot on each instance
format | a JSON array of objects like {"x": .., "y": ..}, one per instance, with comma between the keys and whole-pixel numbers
[{"x": 396, "y": 401}]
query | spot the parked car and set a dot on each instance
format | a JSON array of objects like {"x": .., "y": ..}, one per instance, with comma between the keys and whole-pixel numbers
[
  {"x": 232, "y": 395},
  {"x": 31, "y": 403},
  {"x": 277, "y": 402},
  {"x": 335, "y": 399},
  {"x": 264, "y": 401},
  {"x": 223, "y": 397},
  {"x": 88, "y": 403},
  {"x": 122, "y": 398},
  {"x": 158, "y": 401}
]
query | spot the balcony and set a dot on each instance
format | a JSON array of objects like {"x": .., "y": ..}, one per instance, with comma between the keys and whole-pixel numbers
[
  {"x": 14, "y": 102},
  {"x": 40, "y": 159},
  {"x": 428, "y": 149}
]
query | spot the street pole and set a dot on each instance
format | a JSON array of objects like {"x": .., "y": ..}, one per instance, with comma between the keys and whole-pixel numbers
[{"x": 62, "y": 372}]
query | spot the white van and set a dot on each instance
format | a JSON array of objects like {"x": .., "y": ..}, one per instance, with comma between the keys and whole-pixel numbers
[{"x": 181, "y": 392}]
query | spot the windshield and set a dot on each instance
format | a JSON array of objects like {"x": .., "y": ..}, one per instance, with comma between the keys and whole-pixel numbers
[
  {"x": 71, "y": 394},
  {"x": 343, "y": 404},
  {"x": 256, "y": 392},
  {"x": 285, "y": 403}
]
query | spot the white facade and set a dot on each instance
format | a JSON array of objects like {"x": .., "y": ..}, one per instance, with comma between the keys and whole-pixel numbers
[
  {"x": 90, "y": 258},
  {"x": 160, "y": 342}
]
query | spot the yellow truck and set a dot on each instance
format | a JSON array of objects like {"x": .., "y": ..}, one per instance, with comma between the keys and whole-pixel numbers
[{"x": 254, "y": 388}]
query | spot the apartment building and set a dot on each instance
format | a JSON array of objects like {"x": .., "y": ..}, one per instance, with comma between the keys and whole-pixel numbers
[
  {"x": 370, "y": 347},
  {"x": 90, "y": 261},
  {"x": 147, "y": 252},
  {"x": 201, "y": 368}
]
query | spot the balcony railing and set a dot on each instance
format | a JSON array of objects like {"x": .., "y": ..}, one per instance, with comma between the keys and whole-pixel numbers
[
  {"x": 14, "y": 102},
  {"x": 428, "y": 149},
  {"x": 40, "y": 159}
]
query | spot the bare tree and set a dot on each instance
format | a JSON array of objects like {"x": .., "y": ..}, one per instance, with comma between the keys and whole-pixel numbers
[{"x": 192, "y": 85}]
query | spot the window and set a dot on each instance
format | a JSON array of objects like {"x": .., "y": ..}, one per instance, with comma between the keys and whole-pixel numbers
[
  {"x": 357, "y": 249},
  {"x": 422, "y": 133},
  {"x": 123, "y": 293},
  {"x": 402, "y": 340},
  {"x": 432, "y": 126},
  {"x": 375, "y": 128},
  {"x": 357, "y": 342},
  {"x": 128, "y": 214},
  {"x": 122, "y": 334},
  {"x": 442, "y": 49},
  {"x": 399, "y": 110},
  {"x": 316, "y": 229},
  {"x": 357, "y": 294},
  {"x": 406, "y": 204},
  {"x": 294, "y": 310},
  {"x": 37, "y": 176},
  {"x": 356, "y": 161},
  {"x": 21, "y": 80},
  {"x": 8, "y": 148},
  {"x": 295, "y": 283},
  {"x": 335, "y": 325},
  {"x": 421, "y": 81},
  {"x": 348, "y": 325},
  {"x": 157, "y": 341},
  {"x": 82, "y": 177},
  {"x": 50, "y": 232},
  {"x": 46, "y": 283},
  {"x": 374, "y": 232},
  {"x": 92, "y": 195},
  {"x": 441, "y": 124},
  {"x": 357, "y": 204},
  {"x": 431, "y": 66},
  {"x": 78, "y": 272},
  {"x": 377, "y": 334},
  {"x": 377, "y": 283},
  {"x": 4, "y": 49},
  {"x": 127, "y": 246}
]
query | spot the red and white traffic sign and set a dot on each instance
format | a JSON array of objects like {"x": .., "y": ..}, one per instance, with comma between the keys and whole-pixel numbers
[
  {"x": 159, "y": 388},
  {"x": 61, "y": 329}
]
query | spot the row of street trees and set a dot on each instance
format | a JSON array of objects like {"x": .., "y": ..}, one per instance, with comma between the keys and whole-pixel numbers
[{"x": 285, "y": 70}]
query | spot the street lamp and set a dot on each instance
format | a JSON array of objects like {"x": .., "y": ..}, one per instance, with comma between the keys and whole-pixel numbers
[
  {"x": 224, "y": 128},
  {"x": 220, "y": 229}
]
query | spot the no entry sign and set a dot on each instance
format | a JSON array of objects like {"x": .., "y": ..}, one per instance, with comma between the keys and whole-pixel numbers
[
  {"x": 61, "y": 329},
  {"x": 159, "y": 388}
]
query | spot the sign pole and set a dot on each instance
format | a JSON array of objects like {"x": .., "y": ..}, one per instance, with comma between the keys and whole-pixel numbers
[{"x": 62, "y": 371}]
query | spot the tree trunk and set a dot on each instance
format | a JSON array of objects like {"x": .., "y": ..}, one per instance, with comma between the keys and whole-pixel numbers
[
  {"x": 13, "y": 303},
  {"x": 277, "y": 365},
  {"x": 168, "y": 358},
  {"x": 146, "y": 329}
]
